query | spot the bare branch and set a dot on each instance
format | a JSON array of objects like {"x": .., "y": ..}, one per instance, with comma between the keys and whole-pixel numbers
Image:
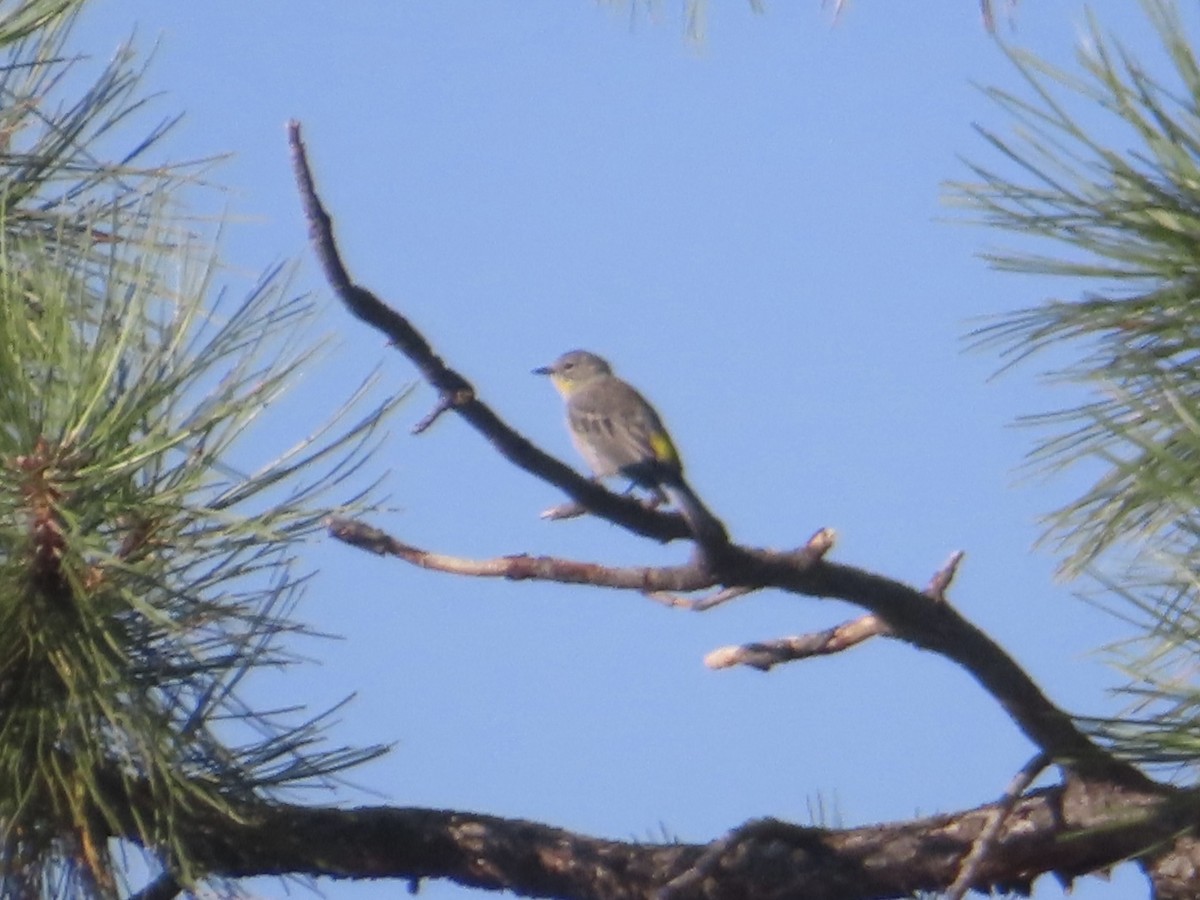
[
  {"x": 453, "y": 389},
  {"x": 646, "y": 579},
  {"x": 699, "y": 604},
  {"x": 704, "y": 604},
  {"x": 986, "y": 841},
  {"x": 568, "y": 510},
  {"x": 765, "y": 655},
  {"x": 940, "y": 583},
  {"x": 768, "y": 654},
  {"x": 821, "y": 543},
  {"x": 445, "y": 403}
]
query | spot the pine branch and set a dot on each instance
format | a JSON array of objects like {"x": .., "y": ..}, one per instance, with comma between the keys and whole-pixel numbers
[{"x": 1068, "y": 831}]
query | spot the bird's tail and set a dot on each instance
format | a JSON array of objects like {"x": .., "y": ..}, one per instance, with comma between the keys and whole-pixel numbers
[{"x": 705, "y": 527}]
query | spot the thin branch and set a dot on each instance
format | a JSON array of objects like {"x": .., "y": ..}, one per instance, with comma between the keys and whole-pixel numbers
[
  {"x": 765, "y": 655},
  {"x": 932, "y": 625},
  {"x": 453, "y": 389},
  {"x": 986, "y": 842},
  {"x": 704, "y": 604},
  {"x": 521, "y": 567},
  {"x": 560, "y": 511},
  {"x": 445, "y": 403},
  {"x": 940, "y": 583},
  {"x": 699, "y": 604}
]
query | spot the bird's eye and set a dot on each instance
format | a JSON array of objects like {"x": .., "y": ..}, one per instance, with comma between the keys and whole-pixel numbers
[{"x": 568, "y": 365}]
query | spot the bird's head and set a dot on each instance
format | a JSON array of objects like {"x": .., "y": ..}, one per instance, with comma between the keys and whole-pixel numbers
[{"x": 574, "y": 369}]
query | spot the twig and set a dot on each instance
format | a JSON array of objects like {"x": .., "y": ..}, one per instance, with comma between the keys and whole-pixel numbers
[
  {"x": 767, "y": 654},
  {"x": 645, "y": 579},
  {"x": 983, "y": 845},
  {"x": 568, "y": 510},
  {"x": 703, "y": 604},
  {"x": 820, "y": 543},
  {"x": 445, "y": 403},
  {"x": 699, "y": 604},
  {"x": 942, "y": 578}
]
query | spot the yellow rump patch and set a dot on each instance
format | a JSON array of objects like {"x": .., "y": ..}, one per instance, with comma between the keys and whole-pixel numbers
[{"x": 664, "y": 450}]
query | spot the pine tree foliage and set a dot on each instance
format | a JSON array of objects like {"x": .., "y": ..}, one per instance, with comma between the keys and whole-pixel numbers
[
  {"x": 141, "y": 575},
  {"x": 1122, "y": 218}
]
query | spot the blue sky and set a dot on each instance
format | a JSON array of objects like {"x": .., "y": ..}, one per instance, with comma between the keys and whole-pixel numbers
[{"x": 753, "y": 231}]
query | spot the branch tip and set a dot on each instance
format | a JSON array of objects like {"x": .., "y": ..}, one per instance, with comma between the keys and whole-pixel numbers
[
  {"x": 941, "y": 580},
  {"x": 723, "y": 657},
  {"x": 666, "y": 598},
  {"x": 447, "y": 400},
  {"x": 699, "y": 604},
  {"x": 569, "y": 510},
  {"x": 361, "y": 535},
  {"x": 703, "y": 604},
  {"x": 821, "y": 542}
]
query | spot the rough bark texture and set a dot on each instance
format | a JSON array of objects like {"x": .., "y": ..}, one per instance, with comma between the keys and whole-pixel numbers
[{"x": 1066, "y": 831}]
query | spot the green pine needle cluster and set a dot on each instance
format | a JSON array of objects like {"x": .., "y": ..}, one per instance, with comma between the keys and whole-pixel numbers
[
  {"x": 141, "y": 576},
  {"x": 1103, "y": 165}
]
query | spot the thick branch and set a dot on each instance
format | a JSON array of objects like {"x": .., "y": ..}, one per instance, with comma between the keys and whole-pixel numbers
[{"x": 1055, "y": 830}]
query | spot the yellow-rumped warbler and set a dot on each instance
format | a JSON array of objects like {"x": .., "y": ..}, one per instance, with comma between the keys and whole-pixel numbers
[{"x": 617, "y": 432}]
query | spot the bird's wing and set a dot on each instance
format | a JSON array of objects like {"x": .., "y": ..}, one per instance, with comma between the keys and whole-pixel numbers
[{"x": 616, "y": 417}]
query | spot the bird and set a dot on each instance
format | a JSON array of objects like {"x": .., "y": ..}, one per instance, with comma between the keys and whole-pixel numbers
[{"x": 618, "y": 433}]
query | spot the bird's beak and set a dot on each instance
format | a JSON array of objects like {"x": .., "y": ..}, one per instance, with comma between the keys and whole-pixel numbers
[{"x": 543, "y": 370}]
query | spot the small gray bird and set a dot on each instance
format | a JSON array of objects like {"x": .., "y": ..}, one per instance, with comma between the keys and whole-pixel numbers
[{"x": 617, "y": 432}]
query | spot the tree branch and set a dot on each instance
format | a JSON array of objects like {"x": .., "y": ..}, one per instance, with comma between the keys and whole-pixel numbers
[
  {"x": 454, "y": 391},
  {"x": 1060, "y": 830},
  {"x": 1108, "y": 808},
  {"x": 925, "y": 620},
  {"x": 985, "y": 844},
  {"x": 688, "y": 577},
  {"x": 765, "y": 655}
]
